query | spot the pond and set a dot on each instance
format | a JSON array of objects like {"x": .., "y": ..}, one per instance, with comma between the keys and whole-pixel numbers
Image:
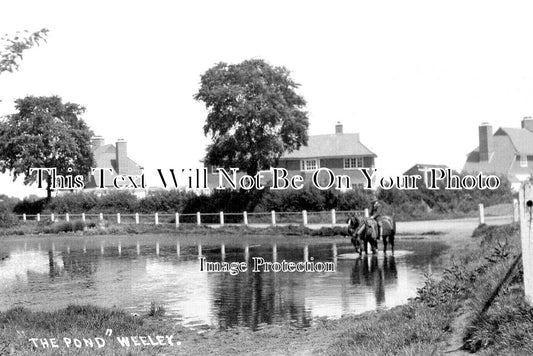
[{"x": 48, "y": 273}]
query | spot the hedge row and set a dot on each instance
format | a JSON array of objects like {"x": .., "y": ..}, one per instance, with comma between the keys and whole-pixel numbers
[{"x": 402, "y": 203}]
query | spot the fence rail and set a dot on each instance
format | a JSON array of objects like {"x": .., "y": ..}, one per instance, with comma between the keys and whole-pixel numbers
[{"x": 273, "y": 218}]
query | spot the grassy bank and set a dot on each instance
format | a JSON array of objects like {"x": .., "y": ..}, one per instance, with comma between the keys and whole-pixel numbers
[{"x": 79, "y": 227}]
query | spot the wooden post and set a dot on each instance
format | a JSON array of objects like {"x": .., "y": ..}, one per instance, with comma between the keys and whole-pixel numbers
[
  {"x": 177, "y": 220},
  {"x": 52, "y": 217},
  {"x": 137, "y": 218},
  {"x": 118, "y": 218},
  {"x": 273, "y": 213},
  {"x": 516, "y": 214},
  {"x": 525, "y": 206},
  {"x": 223, "y": 252},
  {"x": 24, "y": 217},
  {"x": 67, "y": 217},
  {"x": 367, "y": 215},
  {"x": 38, "y": 217},
  {"x": 481, "y": 214},
  {"x": 221, "y": 218},
  {"x": 306, "y": 253},
  {"x": 156, "y": 218},
  {"x": 83, "y": 217},
  {"x": 245, "y": 217},
  {"x": 304, "y": 217},
  {"x": 199, "y": 250},
  {"x": 333, "y": 217},
  {"x": 101, "y": 217},
  {"x": 198, "y": 219}
]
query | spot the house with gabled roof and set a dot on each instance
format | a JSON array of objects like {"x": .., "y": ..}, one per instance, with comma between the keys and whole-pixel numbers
[
  {"x": 343, "y": 153},
  {"x": 508, "y": 152},
  {"x": 114, "y": 157}
]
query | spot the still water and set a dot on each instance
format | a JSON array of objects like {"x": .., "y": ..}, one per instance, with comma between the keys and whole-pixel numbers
[{"x": 131, "y": 272}]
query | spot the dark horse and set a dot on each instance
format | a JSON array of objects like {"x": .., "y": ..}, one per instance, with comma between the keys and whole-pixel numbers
[{"x": 363, "y": 232}]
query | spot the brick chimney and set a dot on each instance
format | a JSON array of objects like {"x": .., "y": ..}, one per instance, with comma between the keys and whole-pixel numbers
[
  {"x": 338, "y": 127},
  {"x": 122, "y": 154},
  {"x": 527, "y": 123},
  {"x": 96, "y": 142},
  {"x": 486, "y": 146}
]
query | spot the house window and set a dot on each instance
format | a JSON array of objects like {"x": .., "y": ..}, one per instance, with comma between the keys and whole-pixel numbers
[
  {"x": 523, "y": 161},
  {"x": 353, "y": 162},
  {"x": 309, "y": 164}
]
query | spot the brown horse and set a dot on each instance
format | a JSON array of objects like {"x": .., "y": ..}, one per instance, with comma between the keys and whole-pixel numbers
[
  {"x": 360, "y": 235},
  {"x": 363, "y": 231}
]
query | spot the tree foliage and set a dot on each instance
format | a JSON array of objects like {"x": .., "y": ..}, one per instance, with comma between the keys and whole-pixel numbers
[
  {"x": 254, "y": 114},
  {"x": 45, "y": 133},
  {"x": 14, "y": 47}
]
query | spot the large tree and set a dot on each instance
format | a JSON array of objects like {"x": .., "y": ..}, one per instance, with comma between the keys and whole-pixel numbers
[
  {"x": 45, "y": 133},
  {"x": 254, "y": 114},
  {"x": 14, "y": 46}
]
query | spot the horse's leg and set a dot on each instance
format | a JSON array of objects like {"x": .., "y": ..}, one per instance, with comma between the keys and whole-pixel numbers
[{"x": 385, "y": 244}]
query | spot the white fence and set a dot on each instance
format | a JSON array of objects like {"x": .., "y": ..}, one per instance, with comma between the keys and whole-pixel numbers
[{"x": 272, "y": 218}]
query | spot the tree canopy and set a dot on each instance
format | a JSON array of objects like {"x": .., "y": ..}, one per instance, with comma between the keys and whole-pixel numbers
[
  {"x": 254, "y": 114},
  {"x": 14, "y": 47},
  {"x": 45, "y": 133}
]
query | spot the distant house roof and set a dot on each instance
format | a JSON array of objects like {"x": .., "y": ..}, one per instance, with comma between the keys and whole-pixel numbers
[
  {"x": 334, "y": 145},
  {"x": 106, "y": 157},
  {"x": 419, "y": 167}
]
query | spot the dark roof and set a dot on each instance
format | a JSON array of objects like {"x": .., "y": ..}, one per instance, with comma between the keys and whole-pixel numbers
[
  {"x": 106, "y": 157},
  {"x": 333, "y": 145},
  {"x": 421, "y": 166}
]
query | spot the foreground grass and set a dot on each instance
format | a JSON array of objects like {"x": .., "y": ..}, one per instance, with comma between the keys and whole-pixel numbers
[{"x": 18, "y": 326}]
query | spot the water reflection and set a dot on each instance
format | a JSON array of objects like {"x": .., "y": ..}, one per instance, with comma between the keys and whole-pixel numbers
[{"x": 130, "y": 273}]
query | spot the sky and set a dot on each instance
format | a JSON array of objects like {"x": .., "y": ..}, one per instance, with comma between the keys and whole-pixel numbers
[{"x": 414, "y": 78}]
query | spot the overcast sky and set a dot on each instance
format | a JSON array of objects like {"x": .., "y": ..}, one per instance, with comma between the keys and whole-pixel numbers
[{"x": 414, "y": 78}]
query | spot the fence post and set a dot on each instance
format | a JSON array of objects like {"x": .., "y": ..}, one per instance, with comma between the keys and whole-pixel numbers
[
  {"x": 156, "y": 218},
  {"x": 304, "y": 217},
  {"x": 118, "y": 218},
  {"x": 333, "y": 217},
  {"x": 83, "y": 217},
  {"x": 24, "y": 217},
  {"x": 177, "y": 218},
  {"x": 67, "y": 217},
  {"x": 481, "y": 214},
  {"x": 367, "y": 215},
  {"x": 198, "y": 219},
  {"x": 245, "y": 217},
  {"x": 137, "y": 218},
  {"x": 515, "y": 211},
  {"x": 273, "y": 213},
  {"x": 52, "y": 217},
  {"x": 101, "y": 216},
  {"x": 221, "y": 218},
  {"x": 38, "y": 217},
  {"x": 526, "y": 235}
]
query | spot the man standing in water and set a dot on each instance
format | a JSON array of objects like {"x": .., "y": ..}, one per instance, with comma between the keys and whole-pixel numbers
[{"x": 375, "y": 213}]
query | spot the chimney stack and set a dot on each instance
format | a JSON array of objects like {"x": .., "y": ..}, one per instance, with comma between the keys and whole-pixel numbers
[
  {"x": 486, "y": 146},
  {"x": 527, "y": 123},
  {"x": 338, "y": 128},
  {"x": 96, "y": 142},
  {"x": 122, "y": 154}
]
